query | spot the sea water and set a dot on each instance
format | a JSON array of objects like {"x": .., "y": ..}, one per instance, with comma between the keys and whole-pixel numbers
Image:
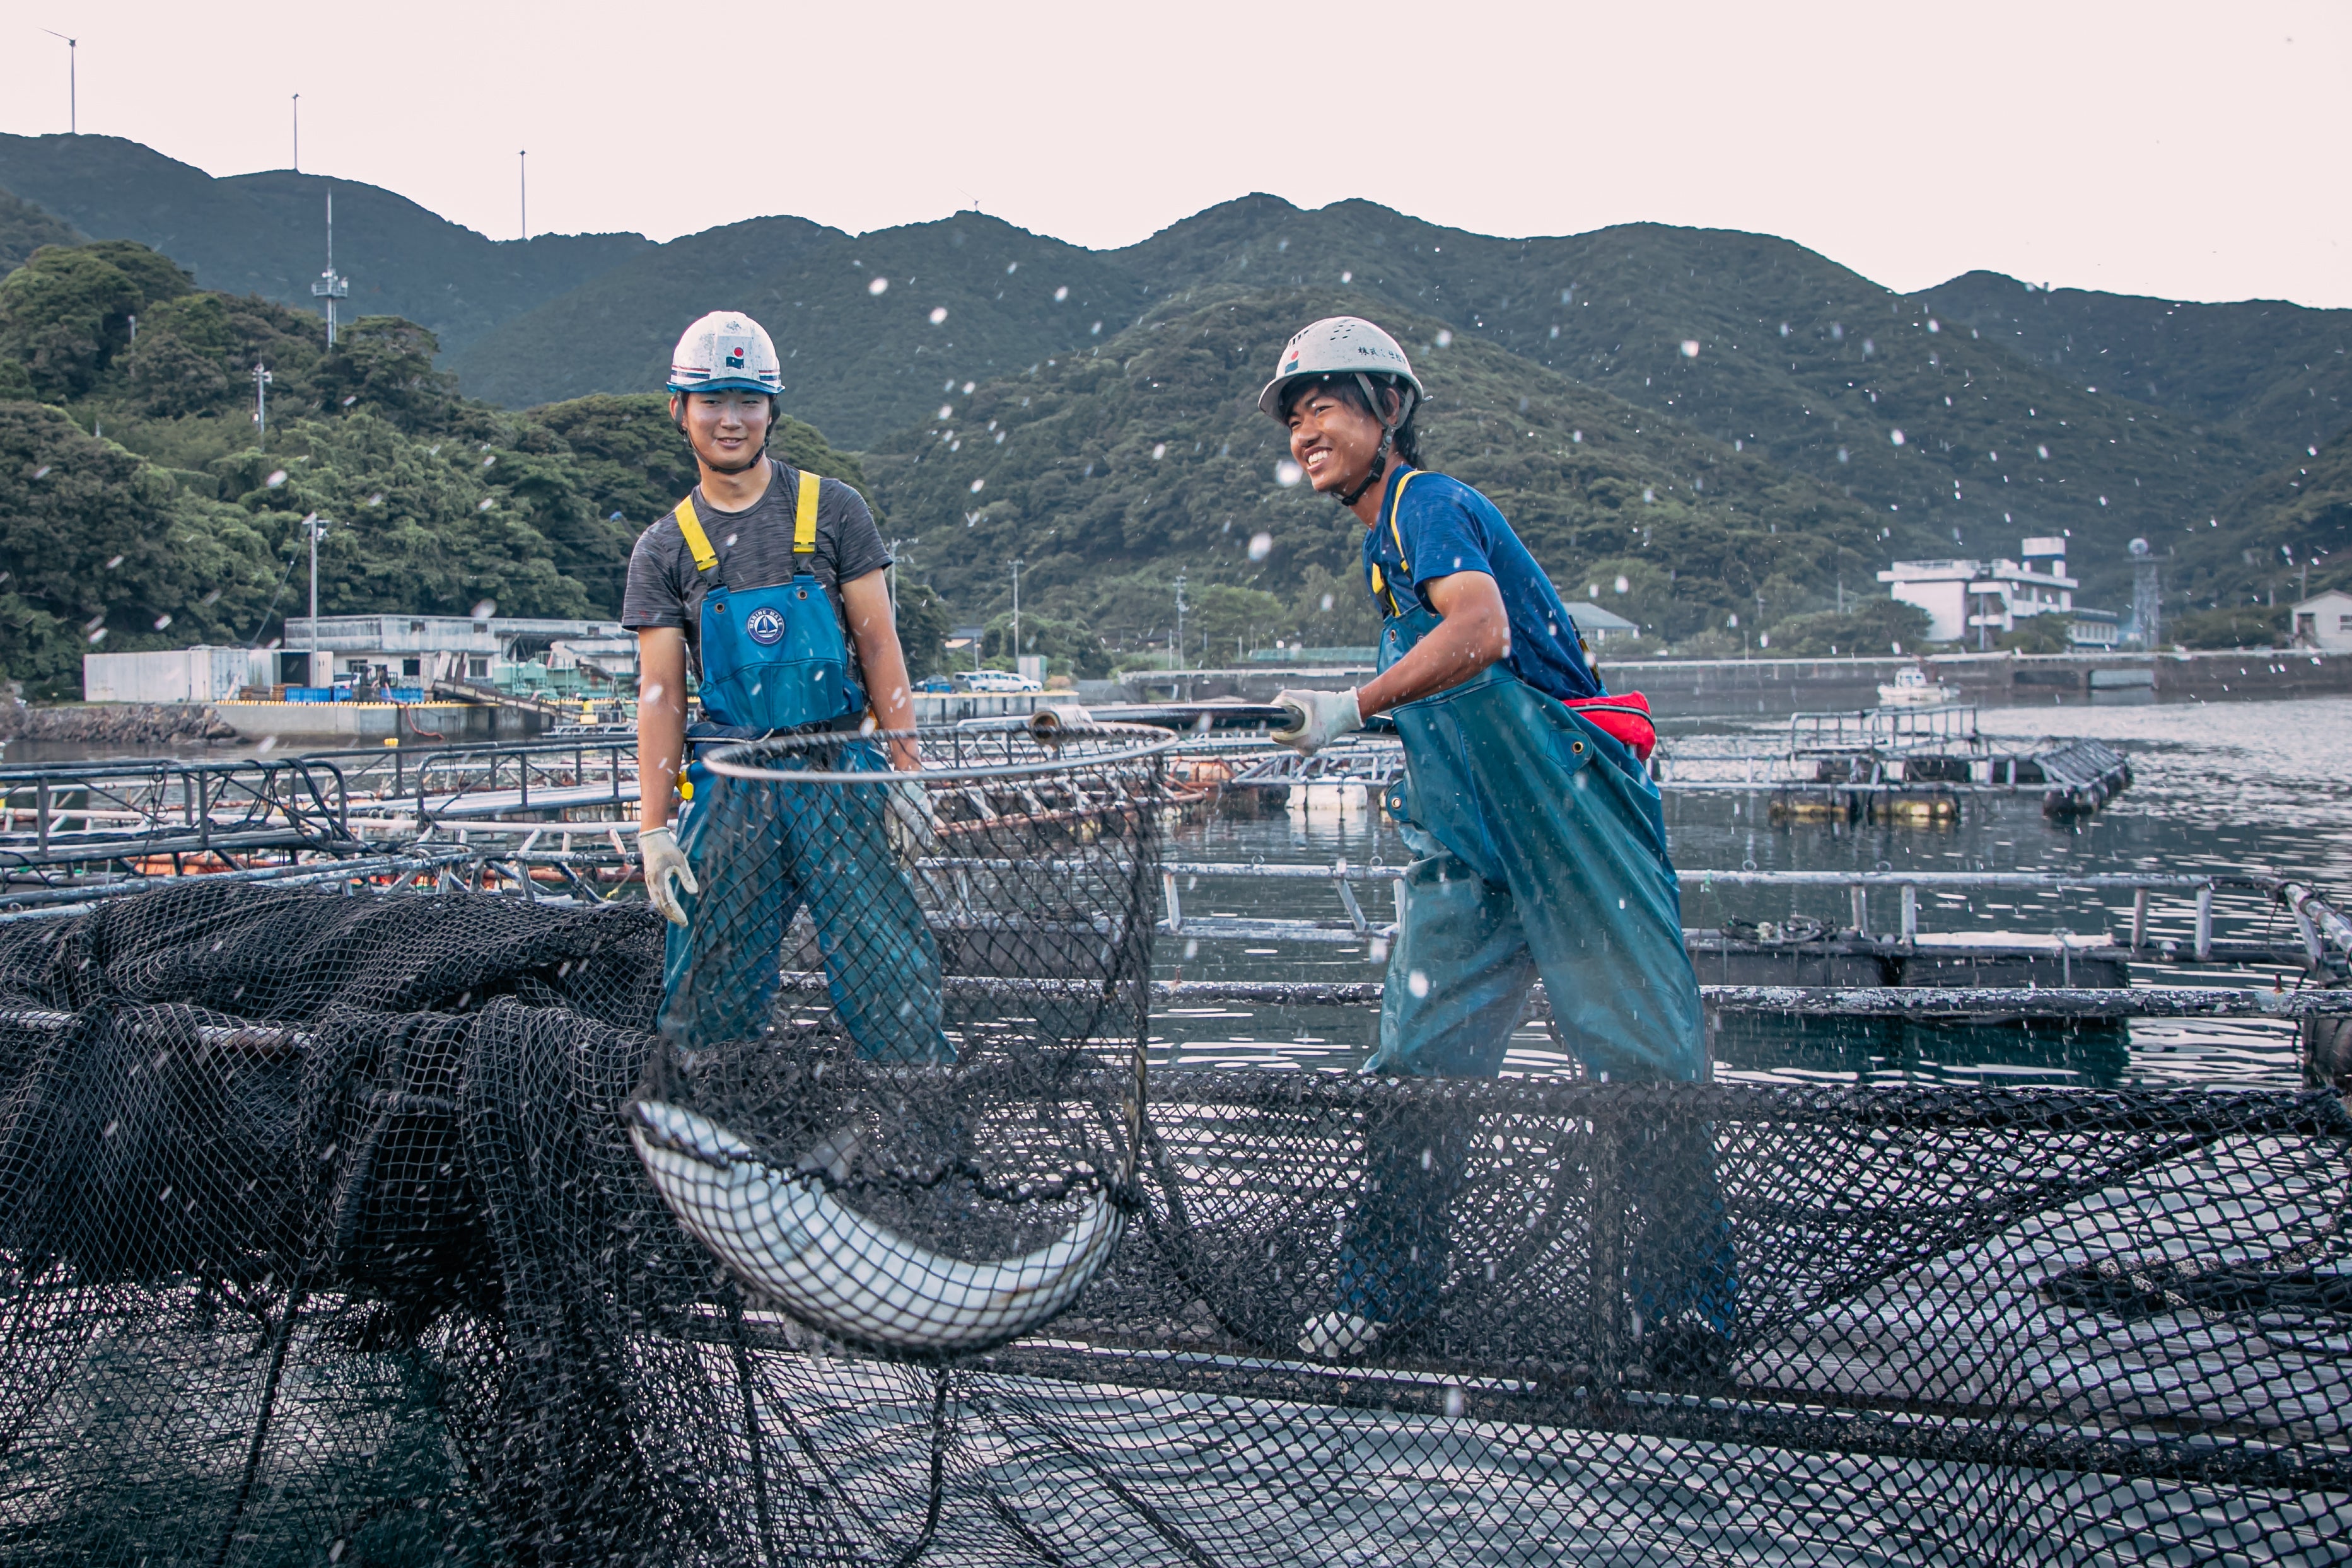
[{"x": 2263, "y": 787}]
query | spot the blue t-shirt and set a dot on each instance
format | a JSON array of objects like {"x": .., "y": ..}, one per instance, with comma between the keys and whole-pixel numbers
[{"x": 1447, "y": 527}]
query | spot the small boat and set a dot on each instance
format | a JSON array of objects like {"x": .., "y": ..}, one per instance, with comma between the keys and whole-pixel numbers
[{"x": 1912, "y": 688}]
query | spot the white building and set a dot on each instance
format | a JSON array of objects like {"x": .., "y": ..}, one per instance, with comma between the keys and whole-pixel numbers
[
  {"x": 2324, "y": 621},
  {"x": 419, "y": 649},
  {"x": 1598, "y": 625},
  {"x": 1976, "y": 600},
  {"x": 199, "y": 675}
]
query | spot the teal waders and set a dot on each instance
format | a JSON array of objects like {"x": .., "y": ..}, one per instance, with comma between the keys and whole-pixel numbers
[
  {"x": 1540, "y": 849},
  {"x": 773, "y": 661}
]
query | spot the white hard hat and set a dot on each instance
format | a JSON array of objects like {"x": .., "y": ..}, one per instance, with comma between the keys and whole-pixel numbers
[
  {"x": 1338, "y": 345},
  {"x": 725, "y": 350}
]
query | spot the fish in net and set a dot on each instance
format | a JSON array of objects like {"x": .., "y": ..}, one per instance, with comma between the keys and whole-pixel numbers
[{"x": 325, "y": 1236}]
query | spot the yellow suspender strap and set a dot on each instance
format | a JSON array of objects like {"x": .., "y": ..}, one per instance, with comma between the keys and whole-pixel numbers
[
  {"x": 705, "y": 558},
  {"x": 803, "y": 525},
  {"x": 804, "y": 515},
  {"x": 1394, "y": 502},
  {"x": 1380, "y": 583}
]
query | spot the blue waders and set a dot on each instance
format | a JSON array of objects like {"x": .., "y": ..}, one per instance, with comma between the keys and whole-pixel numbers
[
  {"x": 1540, "y": 849},
  {"x": 772, "y": 661}
]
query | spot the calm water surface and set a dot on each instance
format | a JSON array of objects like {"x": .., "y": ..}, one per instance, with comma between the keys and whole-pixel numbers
[{"x": 2257, "y": 787}]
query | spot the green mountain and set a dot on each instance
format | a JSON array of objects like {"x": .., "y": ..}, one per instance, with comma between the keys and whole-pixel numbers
[
  {"x": 266, "y": 234},
  {"x": 139, "y": 509},
  {"x": 1801, "y": 360},
  {"x": 26, "y": 228},
  {"x": 858, "y": 363},
  {"x": 2280, "y": 371},
  {"x": 1109, "y": 470},
  {"x": 2286, "y": 535}
]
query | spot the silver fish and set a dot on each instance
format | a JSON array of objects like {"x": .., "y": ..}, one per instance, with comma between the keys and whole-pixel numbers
[{"x": 785, "y": 1235}]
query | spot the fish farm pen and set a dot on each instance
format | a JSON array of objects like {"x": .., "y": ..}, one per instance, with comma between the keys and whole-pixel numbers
[{"x": 356, "y": 1207}]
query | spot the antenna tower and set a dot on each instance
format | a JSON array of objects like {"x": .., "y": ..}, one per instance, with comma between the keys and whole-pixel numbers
[{"x": 331, "y": 285}]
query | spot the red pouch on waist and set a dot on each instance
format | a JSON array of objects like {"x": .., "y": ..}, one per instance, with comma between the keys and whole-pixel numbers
[{"x": 1623, "y": 717}]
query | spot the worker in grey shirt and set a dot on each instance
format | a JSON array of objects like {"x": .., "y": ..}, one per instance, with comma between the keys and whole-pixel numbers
[{"x": 764, "y": 587}]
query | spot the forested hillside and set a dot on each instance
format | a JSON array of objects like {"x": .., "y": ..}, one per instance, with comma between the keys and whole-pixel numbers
[
  {"x": 139, "y": 505},
  {"x": 266, "y": 234},
  {"x": 1761, "y": 429},
  {"x": 2286, "y": 535},
  {"x": 1743, "y": 337},
  {"x": 1112, "y": 470}
]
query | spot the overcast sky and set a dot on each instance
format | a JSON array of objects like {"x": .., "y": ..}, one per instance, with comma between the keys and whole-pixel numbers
[{"x": 2194, "y": 151}]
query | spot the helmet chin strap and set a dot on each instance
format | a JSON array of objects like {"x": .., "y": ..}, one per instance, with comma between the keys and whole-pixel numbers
[
  {"x": 1388, "y": 439},
  {"x": 748, "y": 463}
]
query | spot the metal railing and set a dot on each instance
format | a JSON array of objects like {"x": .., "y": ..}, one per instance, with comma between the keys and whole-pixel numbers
[
  {"x": 2319, "y": 924},
  {"x": 96, "y": 813}
]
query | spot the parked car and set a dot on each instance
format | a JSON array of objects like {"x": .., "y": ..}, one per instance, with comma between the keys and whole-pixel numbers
[
  {"x": 998, "y": 681},
  {"x": 935, "y": 683}
]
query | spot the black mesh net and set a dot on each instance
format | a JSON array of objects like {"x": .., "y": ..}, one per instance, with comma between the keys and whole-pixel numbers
[{"x": 325, "y": 1237}]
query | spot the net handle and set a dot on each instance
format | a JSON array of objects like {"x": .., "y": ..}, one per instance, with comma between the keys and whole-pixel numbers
[{"x": 741, "y": 760}]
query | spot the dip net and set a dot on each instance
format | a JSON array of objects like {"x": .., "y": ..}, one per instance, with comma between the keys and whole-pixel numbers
[{"x": 334, "y": 1229}]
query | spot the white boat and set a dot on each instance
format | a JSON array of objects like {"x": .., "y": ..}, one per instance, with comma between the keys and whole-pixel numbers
[{"x": 1912, "y": 688}]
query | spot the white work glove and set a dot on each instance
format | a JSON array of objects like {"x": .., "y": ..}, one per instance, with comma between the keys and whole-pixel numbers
[
  {"x": 665, "y": 866},
  {"x": 1323, "y": 717},
  {"x": 911, "y": 820}
]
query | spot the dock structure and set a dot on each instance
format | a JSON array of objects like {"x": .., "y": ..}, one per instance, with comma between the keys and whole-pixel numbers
[{"x": 554, "y": 820}]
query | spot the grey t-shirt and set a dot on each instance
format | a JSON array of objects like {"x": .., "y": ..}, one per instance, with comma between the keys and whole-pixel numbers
[{"x": 755, "y": 551}]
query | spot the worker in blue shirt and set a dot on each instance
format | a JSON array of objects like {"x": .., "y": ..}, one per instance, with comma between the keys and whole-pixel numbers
[
  {"x": 1540, "y": 849},
  {"x": 765, "y": 589}
]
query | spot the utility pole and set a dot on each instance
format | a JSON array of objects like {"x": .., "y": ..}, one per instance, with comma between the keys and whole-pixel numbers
[
  {"x": 298, "y": 133},
  {"x": 1176, "y": 643},
  {"x": 73, "y": 88},
  {"x": 1017, "y": 612},
  {"x": 261, "y": 380},
  {"x": 314, "y": 526}
]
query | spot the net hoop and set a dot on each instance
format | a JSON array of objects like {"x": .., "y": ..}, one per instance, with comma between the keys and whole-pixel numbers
[{"x": 1095, "y": 745}]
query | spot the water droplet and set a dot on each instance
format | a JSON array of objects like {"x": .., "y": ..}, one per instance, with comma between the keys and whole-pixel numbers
[
  {"x": 487, "y": 502},
  {"x": 1624, "y": 585},
  {"x": 977, "y": 485},
  {"x": 1690, "y": 348},
  {"x": 276, "y": 477},
  {"x": 946, "y": 411},
  {"x": 1261, "y": 546},
  {"x": 486, "y": 609},
  {"x": 1327, "y": 604},
  {"x": 162, "y": 621},
  {"x": 1158, "y": 451},
  {"x": 1347, "y": 278},
  {"x": 879, "y": 285},
  {"x": 939, "y": 314},
  {"x": 1061, "y": 294},
  {"x": 1417, "y": 983},
  {"x": 1445, "y": 339},
  {"x": 1286, "y": 472},
  {"x": 1895, "y": 436}
]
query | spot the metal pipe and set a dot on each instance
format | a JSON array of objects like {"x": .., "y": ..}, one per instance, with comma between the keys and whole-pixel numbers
[
  {"x": 1836, "y": 1001},
  {"x": 2087, "y": 881},
  {"x": 2204, "y": 948},
  {"x": 2139, "y": 919},
  {"x": 46, "y": 902},
  {"x": 2321, "y": 920},
  {"x": 1786, "y": 1001},
  {"x": 1861, "y": 898},
  {"x": 1911, "y": 912}
]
